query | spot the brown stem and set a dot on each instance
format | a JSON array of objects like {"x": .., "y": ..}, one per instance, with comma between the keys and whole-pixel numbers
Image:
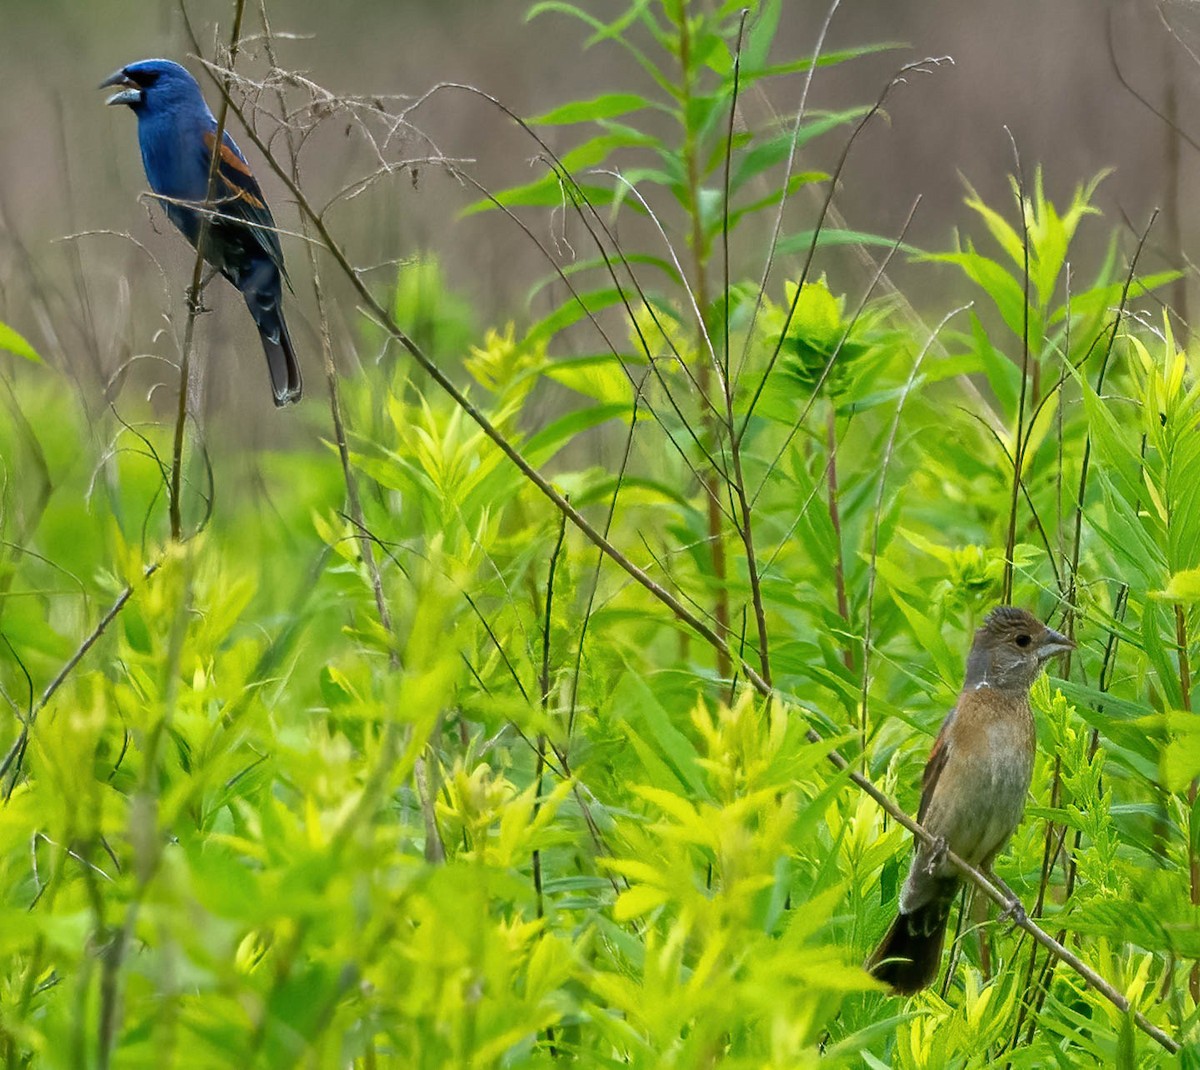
[
  {"x": 1185, "y": 691},
  {"x": 539, "y": 773},
  {"x": 1172, "y": 144},
  {"x": 839, "y": 567},
  {"x": 703, "y": 371},
  {"x": 175, "y": 505},
  {"x": 745, "y": 526},
  {"x": 1010, "y": 541}
]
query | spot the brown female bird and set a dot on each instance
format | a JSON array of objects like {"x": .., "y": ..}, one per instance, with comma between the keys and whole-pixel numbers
[{"x": 973, "y": 792}]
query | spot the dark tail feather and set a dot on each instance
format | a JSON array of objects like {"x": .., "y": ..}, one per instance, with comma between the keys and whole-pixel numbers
[
  {"x": 286, "y": 383},
  {"x": 910, "y": 954}
]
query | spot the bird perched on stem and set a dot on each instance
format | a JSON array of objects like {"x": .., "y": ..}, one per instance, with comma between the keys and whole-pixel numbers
[
  {"x": 973, "y": 792},
  {"x": 177, "y": 134}
]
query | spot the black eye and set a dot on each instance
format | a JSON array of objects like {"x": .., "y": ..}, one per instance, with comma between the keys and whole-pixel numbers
[{"x": 1023, "y": 640}]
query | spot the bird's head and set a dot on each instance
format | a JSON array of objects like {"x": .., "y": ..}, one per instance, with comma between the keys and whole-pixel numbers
[
  {"x": 1011, "y": 648},
  {"x": 152, "y": 84}
]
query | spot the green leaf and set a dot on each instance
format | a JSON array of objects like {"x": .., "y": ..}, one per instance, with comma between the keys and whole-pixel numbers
[
  {"x": 634, "y": 701},
  {"x": 593, "y": 263},
  {"x": 572, "y": 312},
  {"x": 1006, "y": 292},
  {"x": 826, "y": 59},
  {"x": 1181, "y": 760},
  {"x": 639, "y": 900},
  {"x": 1001, "y": 230},
  {"x": 1183, "y": 587},
  {"x": 597, "y": 150},
  {"x": 759, "y": 158},
  {"x": 1098, "y": 301},
  {"x": 601, "y": 377},
  {"x": 605, "y": 106},
  {"x": 761, "y": 35},
  {"x": 832, "y": 236},
  {"x": 547, "y": 442},
  {"x": 11, "y": 342},
  {"x": 1003, "y": 375},
  {"x": 768, "y": 152},
  {"x": 546, "y": 192}
]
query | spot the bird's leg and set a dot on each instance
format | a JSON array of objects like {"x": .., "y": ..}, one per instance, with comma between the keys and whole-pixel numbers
[
  {"x": 1014, "y": 910},
  {"x": 937, "y": 855},
  {"x": 194, "y": 303}
]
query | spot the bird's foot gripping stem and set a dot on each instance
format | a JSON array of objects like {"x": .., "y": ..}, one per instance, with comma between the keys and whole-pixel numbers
[
  {"x": 1013, "y": 910},
  {"x": 937, "y": 855},
  {"x": 195, "y": 296},
  {"x": 195, "y": 303}
]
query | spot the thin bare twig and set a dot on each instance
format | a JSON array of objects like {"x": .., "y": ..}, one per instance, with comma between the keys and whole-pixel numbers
[
  {"x": 175, "y": 505},
  {"x": 1019, "y": 435}
]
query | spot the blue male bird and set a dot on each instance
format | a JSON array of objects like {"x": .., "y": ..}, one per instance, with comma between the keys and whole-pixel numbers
[{"x": 177, "y": 132}]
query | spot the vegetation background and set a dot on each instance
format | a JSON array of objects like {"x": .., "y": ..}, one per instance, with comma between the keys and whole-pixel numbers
[{"x": 479, "y": 711}]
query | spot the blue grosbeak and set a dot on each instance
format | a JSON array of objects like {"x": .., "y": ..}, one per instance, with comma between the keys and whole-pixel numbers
[
  {"x": 177, "y": 133},
  {"x": 973, "y": 792}
]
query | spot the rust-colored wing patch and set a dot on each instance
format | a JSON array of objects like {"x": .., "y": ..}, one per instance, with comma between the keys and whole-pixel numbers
[
  {"x": 231, "y": 159},
  {"x": 934, "y": 766},
  {"x": 236, "y": 178}
]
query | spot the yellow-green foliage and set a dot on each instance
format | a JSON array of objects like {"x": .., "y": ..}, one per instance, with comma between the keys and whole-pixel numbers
[{"x": 424, "y": 779}]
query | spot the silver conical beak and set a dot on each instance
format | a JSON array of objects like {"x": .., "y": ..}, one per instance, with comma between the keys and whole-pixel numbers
[
  {"x": 130, "y": 93},
  {"x": 1053, "y": 643}
]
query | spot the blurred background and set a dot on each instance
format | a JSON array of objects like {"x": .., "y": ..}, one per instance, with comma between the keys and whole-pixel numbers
[{"x": 1082, "y": 85}]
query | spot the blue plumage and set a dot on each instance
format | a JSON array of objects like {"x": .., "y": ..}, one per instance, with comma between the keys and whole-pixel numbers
[{"x": 177, "y": 133}]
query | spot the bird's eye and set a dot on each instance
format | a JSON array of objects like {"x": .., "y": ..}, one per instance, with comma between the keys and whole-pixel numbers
[{"x": 1023, "y": 640}]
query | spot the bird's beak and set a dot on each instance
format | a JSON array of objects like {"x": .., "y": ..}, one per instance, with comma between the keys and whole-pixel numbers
[
  {"x": 1053, "y": 643},
  {"x": 130, "y": 93}
]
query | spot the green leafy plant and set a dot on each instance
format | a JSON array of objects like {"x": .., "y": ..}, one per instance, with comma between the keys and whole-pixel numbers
[{"x": 433, "y": 747}]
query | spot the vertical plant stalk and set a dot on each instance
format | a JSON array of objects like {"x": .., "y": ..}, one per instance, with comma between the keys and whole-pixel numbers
[
  {"x": 746, "y": 517},
  {"x": 539, "y": 772},
  {"x": 1185, "y": 692},
  {"x": 788, "y": 171},
  {"x": 175, "y": 503},
  {"x": 1049, "y": 852},
  {"x": 1085, "y": 464},
  {"x": 1034, "y": 999},
  {"x": 1172, "y": 164},
  {"x": 711, "y": 429},
  {"x": 1060, "y": 525},
  {"x": 835, "y": 519},
  {"x": 1031, "y": 1003},
  {"x": 1010, "y": 540},
  {"x": 873, "y": 571},
  {"x": 595, "y": 580}
]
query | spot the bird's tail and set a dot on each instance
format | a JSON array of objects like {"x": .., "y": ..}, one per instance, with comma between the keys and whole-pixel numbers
[
  {"x": 909, "y": 955},
  {"x": 286, "y": 383}
]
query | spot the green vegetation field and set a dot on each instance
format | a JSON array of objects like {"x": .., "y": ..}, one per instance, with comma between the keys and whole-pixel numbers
[{"x": 487, "y": 722}]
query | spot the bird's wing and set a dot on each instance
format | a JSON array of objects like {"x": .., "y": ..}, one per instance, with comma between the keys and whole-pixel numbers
[
  {"x": 238, "y": 195},
  {"x": 935, "y": 765}
]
